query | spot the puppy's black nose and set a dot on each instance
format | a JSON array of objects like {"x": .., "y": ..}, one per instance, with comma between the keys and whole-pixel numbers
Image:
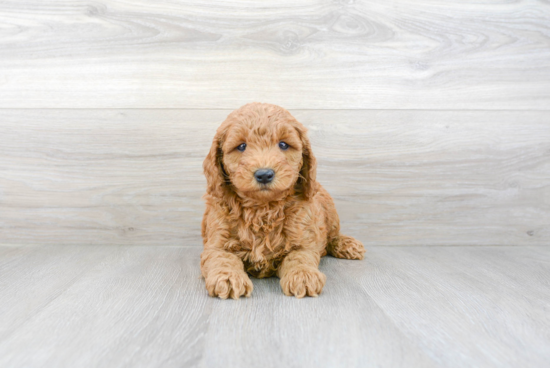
[{"x": 264, "y": 176}]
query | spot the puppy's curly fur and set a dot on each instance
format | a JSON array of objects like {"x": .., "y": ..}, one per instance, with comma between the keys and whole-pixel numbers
[{"x": 282, "y": 227}]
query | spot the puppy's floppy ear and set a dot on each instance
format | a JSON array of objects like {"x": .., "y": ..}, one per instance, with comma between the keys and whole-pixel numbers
[
  {"x": 307, "y": 182},
  {"x": 217, "y": 180}
]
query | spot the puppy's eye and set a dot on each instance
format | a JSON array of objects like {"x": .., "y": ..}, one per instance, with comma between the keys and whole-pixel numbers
[
  {"x": 283, "y": 146},
  {"x": 242, "y": 147}
]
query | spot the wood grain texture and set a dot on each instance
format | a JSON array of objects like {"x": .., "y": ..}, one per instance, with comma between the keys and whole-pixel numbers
[
  {"x": 315, "y": 54},
  {"x": 113, "y": 306},
  {"x": 398, "y": 177},
  {"x": 493, "y": 288}
]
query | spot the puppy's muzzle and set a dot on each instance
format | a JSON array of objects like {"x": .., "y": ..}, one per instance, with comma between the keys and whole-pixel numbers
[{"x": 264, "y": 176}]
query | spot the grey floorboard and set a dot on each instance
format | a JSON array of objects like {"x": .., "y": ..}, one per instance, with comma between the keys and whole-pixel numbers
[{"x": 146, "y": 306}]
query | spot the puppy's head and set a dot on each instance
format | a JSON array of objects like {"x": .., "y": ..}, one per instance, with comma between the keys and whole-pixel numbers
[{"x": 260, "y": 152}]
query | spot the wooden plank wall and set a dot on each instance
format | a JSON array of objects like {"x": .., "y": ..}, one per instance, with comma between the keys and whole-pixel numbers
[{"x": 430, "y": 119}]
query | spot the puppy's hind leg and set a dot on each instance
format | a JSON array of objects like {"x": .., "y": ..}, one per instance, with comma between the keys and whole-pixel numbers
[
  {"x": 338, "y": 245},
  {"x": 346, "y": 247}
]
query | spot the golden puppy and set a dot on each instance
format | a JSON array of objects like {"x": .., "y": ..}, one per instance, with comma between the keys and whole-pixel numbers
[{"x": 265, "y": 212}]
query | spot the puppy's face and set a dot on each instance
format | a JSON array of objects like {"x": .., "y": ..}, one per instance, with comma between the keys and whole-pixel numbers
[
  {"x": 262, "y": 156},
  {"x": 262, "y": 153}
]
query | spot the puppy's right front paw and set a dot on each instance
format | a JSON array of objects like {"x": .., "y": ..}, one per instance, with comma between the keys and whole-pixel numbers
[{"x": 229, "y": 284}]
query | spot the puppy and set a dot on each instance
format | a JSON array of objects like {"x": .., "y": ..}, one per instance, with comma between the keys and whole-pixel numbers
[{"x": 265, "y": 212}]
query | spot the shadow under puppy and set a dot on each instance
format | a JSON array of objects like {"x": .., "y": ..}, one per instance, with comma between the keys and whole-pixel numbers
[{"x": 265, "y": 212}]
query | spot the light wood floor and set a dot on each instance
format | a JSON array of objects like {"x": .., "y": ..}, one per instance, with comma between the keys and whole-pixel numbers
[{"x": 146, "y": 306}]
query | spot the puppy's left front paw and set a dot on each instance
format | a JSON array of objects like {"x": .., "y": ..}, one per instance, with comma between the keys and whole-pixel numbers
[{"x": 303, "y": 281}]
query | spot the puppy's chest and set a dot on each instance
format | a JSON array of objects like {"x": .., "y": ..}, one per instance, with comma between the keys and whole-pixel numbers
[
  {"x": 261, "y": 245},
  {"x": 263, "y": 241}
]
